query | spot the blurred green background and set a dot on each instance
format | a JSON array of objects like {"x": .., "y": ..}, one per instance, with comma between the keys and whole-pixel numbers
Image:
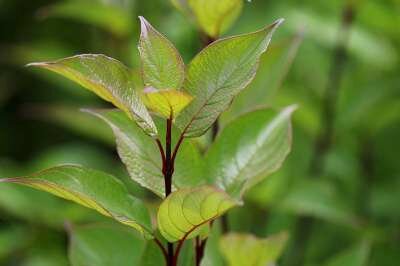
[{"x": 338, "y": 194}]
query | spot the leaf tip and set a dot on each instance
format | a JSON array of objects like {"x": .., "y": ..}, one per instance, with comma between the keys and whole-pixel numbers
[
  {"x": 37, "y": 64},
  {"x": 144, "y": 25},
  {"x": 278, "y": 22}
]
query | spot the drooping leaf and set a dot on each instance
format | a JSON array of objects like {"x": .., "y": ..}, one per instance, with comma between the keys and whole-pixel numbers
[
  {"x": 97, "y": 13},
  {"x": 107, "y": 245},
  {"x": 162, "y": 65},
  {"x": 186, "y": 212},
  {"x": 215, "y": 17},
  {"x": 109, "y": 79},
  {"x": 244, "y": 249},
  {"x": 142, "y": 158},
  {"x": 248, "y": 149},
  {"x": 167, "y": 103},
  {"x": 92, "y": 189},
  {"x": 217, "y": 74}
]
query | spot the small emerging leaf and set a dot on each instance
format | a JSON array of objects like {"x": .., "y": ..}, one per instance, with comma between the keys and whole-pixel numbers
[
  {"x": 217, "y": 74},
  {"x": 163, "y": 67},
  {"x": 109, "y": 79},
  {"x": 92, "y": 189},
  {"x": 244, "y": 249},
  {"x": 240, "y": 158},
  {"x": 184, "y": 213},
  {"x": 215, "y": 16},
  {"x": 167, "y": 103}
]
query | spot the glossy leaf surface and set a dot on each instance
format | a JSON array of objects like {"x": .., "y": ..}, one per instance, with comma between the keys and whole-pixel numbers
[
  {"x": 109, "y": 79},
  {"x": 250, "y": 148},
  {"x": 184, "y": 213},
  {"x": 162, "y": 65},
  {"x": 93, "y": 189},
  {"x": 217, "y": 74}
]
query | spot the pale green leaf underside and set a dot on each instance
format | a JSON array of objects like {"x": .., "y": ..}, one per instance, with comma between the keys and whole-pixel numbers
[
  {"x": 108, "y": 245},
  {"x": 142, "y": 158},
  {"x": 109, "y": 79},
  {"x": 215, "y": 17},
  {"x": 184, "y": 213},
  {"x": 217, "y": 74},
  {"x": 248, "y": 149},
  {"x": 93, "y": 189},
  {"x": 245, "y": 249},
  {"x": 162, "y": 65}
]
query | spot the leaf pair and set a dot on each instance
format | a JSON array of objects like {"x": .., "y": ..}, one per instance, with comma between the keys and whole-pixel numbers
[
  {"x": 108, "y": 196},
  {"x": 214, "y": 77}
]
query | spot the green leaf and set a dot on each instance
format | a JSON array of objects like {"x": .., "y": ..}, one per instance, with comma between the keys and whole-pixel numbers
[
  {"x": 162, "y": 65},
  {"x": 215, "y": 17},
  {"x": 97, "y": 13},
  {"x": 109, "y": 79},
  {"x": 244, "y": 249},
  {"x": 12, "y": 239},
  {"x": 107, "y": 245},
  {"x": 92, "y": 189},
  {"x": 250, "y": 148},
  {"x": 271, "y": 74},
  {"x": 355, "y": 255},
  {"x": 212, "y": 255},
  {"x": 186, "y": 212},
  {"x": 217, "y": 74},
  {"x": 71, "y": 118},
  {"x": 320, "y": 199},
  {"x": 167, "y": 103},
  {"x": 142, "y": 158},
  {"x": 183, "y": 6}
]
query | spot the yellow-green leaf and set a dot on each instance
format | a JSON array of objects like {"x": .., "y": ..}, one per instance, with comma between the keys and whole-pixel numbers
[
  {"x": 167, "y": 103},
  {"x": 185, "y": 213},
  {"x": 215, "y": 16},
  {"x": 162, "y": 65},
  {"x": 109, "y": 79},
  {"x": 240, "y": 158},
  {"x": 93, "y": 189},
  {"x": 245, "y": 249}
]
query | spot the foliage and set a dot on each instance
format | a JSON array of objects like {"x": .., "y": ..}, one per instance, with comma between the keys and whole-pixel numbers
[{"x": 225, "y": 102}]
